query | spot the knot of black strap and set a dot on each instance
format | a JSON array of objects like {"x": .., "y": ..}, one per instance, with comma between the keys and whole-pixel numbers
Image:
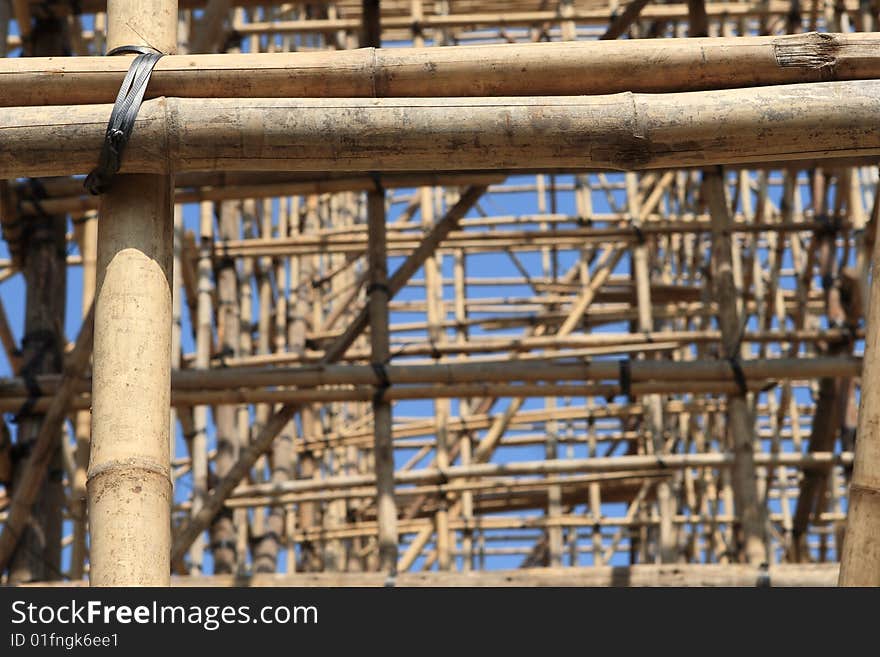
[
  {"x": 738, "y": 374},
  {"x": 377, "y": 182},
  {"x": 640, "y": 236},
  {"x": 378, "y": 287},
  {"x": 384, "y": 381},
  {"x": 625, "y": 376},
  {"x": 122, "y": 118},
  {"x": 828, "y": 226},
  {"x": 32, "y": 192},
  {"x": 40, "y": 343}
]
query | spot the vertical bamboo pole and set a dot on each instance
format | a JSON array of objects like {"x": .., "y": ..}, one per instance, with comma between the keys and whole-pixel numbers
[
  {"x": 223, "y": 534},
  {"x": 129, "y": 472},
  {"x": 44, "y": 266},
  {"x": 436, "y": 335},
  {"x": 860, "y": 560},
  {"x": 652, "y": 403},
  {"x": 88, "y": 248},
  {"x": 204, "y": 342},
  {"x": 748, "y": 507},
  {"x": 379, "y": 344}
]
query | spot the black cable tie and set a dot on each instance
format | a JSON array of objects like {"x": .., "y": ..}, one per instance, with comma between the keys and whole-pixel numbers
[
  {"x": 827, "y": 282},
  {"x": 122, "y": 118},
  {"x": 377, "y": 182},
  {"x": 640, "y": 236},
  {"x": 384, "y": 381},
  {"x": 33, "y": 192},
  {"x": 625, "y": 379},
  {"x": 828, "y": 226},
  {"x": 47, "y": 342},
  {"x": 738, "y": 375},
  {"x": 381, "y": 287},
  {"x": 223, "y": 353},
  {"x": 769, "y": 386},
  {"x": 763, "y": 580}
]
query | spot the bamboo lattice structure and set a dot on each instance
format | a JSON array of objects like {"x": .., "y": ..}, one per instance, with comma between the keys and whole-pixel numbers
[{"x": 534, "y": 292}]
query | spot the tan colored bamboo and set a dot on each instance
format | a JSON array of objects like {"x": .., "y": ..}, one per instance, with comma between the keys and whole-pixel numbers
[
  {"x": 204, "y": 343},
  {"x": 642, "y": 65},
  {"x": 129, "y": 470},
  {"x": 693, "y": 129},
  {"x": 860, "y": 557},
  {"x": 726, "y": 460},
  {"x": 89, "y": 249}
]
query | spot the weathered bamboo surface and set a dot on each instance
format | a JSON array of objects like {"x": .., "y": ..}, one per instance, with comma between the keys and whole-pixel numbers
[
  {"x": 618, "y": 132},
  {"x": 564, "y": 69}
]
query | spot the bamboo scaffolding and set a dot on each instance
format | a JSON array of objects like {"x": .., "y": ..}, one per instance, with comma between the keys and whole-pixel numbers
[{"x": 558, "y": 390}]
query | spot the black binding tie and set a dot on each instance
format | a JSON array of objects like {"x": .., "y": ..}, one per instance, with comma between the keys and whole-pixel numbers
[
  {"x": 384, "y": 381},
  {"x": 738, "y": 375},
  {"x": 122, "y": 118},
  {"x": 625, "y": 379}
]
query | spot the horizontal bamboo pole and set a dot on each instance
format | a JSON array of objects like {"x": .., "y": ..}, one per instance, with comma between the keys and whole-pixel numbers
[
  {"x": 821, "y": 574},
  {"x": 401, "y": 242},
  {"x": 556, "y": 466},
  {"x": 547, "y": 370},
  {"x": 545, "y": 69},
  {"x": 706, "y": 375},
  {"x": 621, "y": 131}
]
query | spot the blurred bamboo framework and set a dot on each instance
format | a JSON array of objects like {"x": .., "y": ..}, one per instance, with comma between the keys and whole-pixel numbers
[{"x": 548, "y": 292}]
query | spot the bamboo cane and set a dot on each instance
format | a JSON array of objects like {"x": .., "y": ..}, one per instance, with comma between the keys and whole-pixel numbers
[
  {"x": 623, "y": 131},
  {"x": 128, "y": 482}
]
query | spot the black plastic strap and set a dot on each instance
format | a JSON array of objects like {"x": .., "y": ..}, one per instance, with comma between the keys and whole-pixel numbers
[
  {"x": 625, "y": 379},
  {"x": 32, "y": 191},
  {"x": 381, "y": 287},
  {"x": 640, "y": 236},
  {"x": 46, "y": 344},
  {"x": 738, "y": 375},
  {"x": 384, "y": 381},
  {"x": 123, "y": 116}
]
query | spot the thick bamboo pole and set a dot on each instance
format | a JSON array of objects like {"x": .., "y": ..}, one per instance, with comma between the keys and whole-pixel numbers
[
  {"x": 860, "y": 558},
  {"x": 740, "y": 422},
  {"x": 545, "y": 69},
  {"x": 379, "y": 294},
  {"x": 129, "y": 471},
  {"x": 623, "y": 131}
]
